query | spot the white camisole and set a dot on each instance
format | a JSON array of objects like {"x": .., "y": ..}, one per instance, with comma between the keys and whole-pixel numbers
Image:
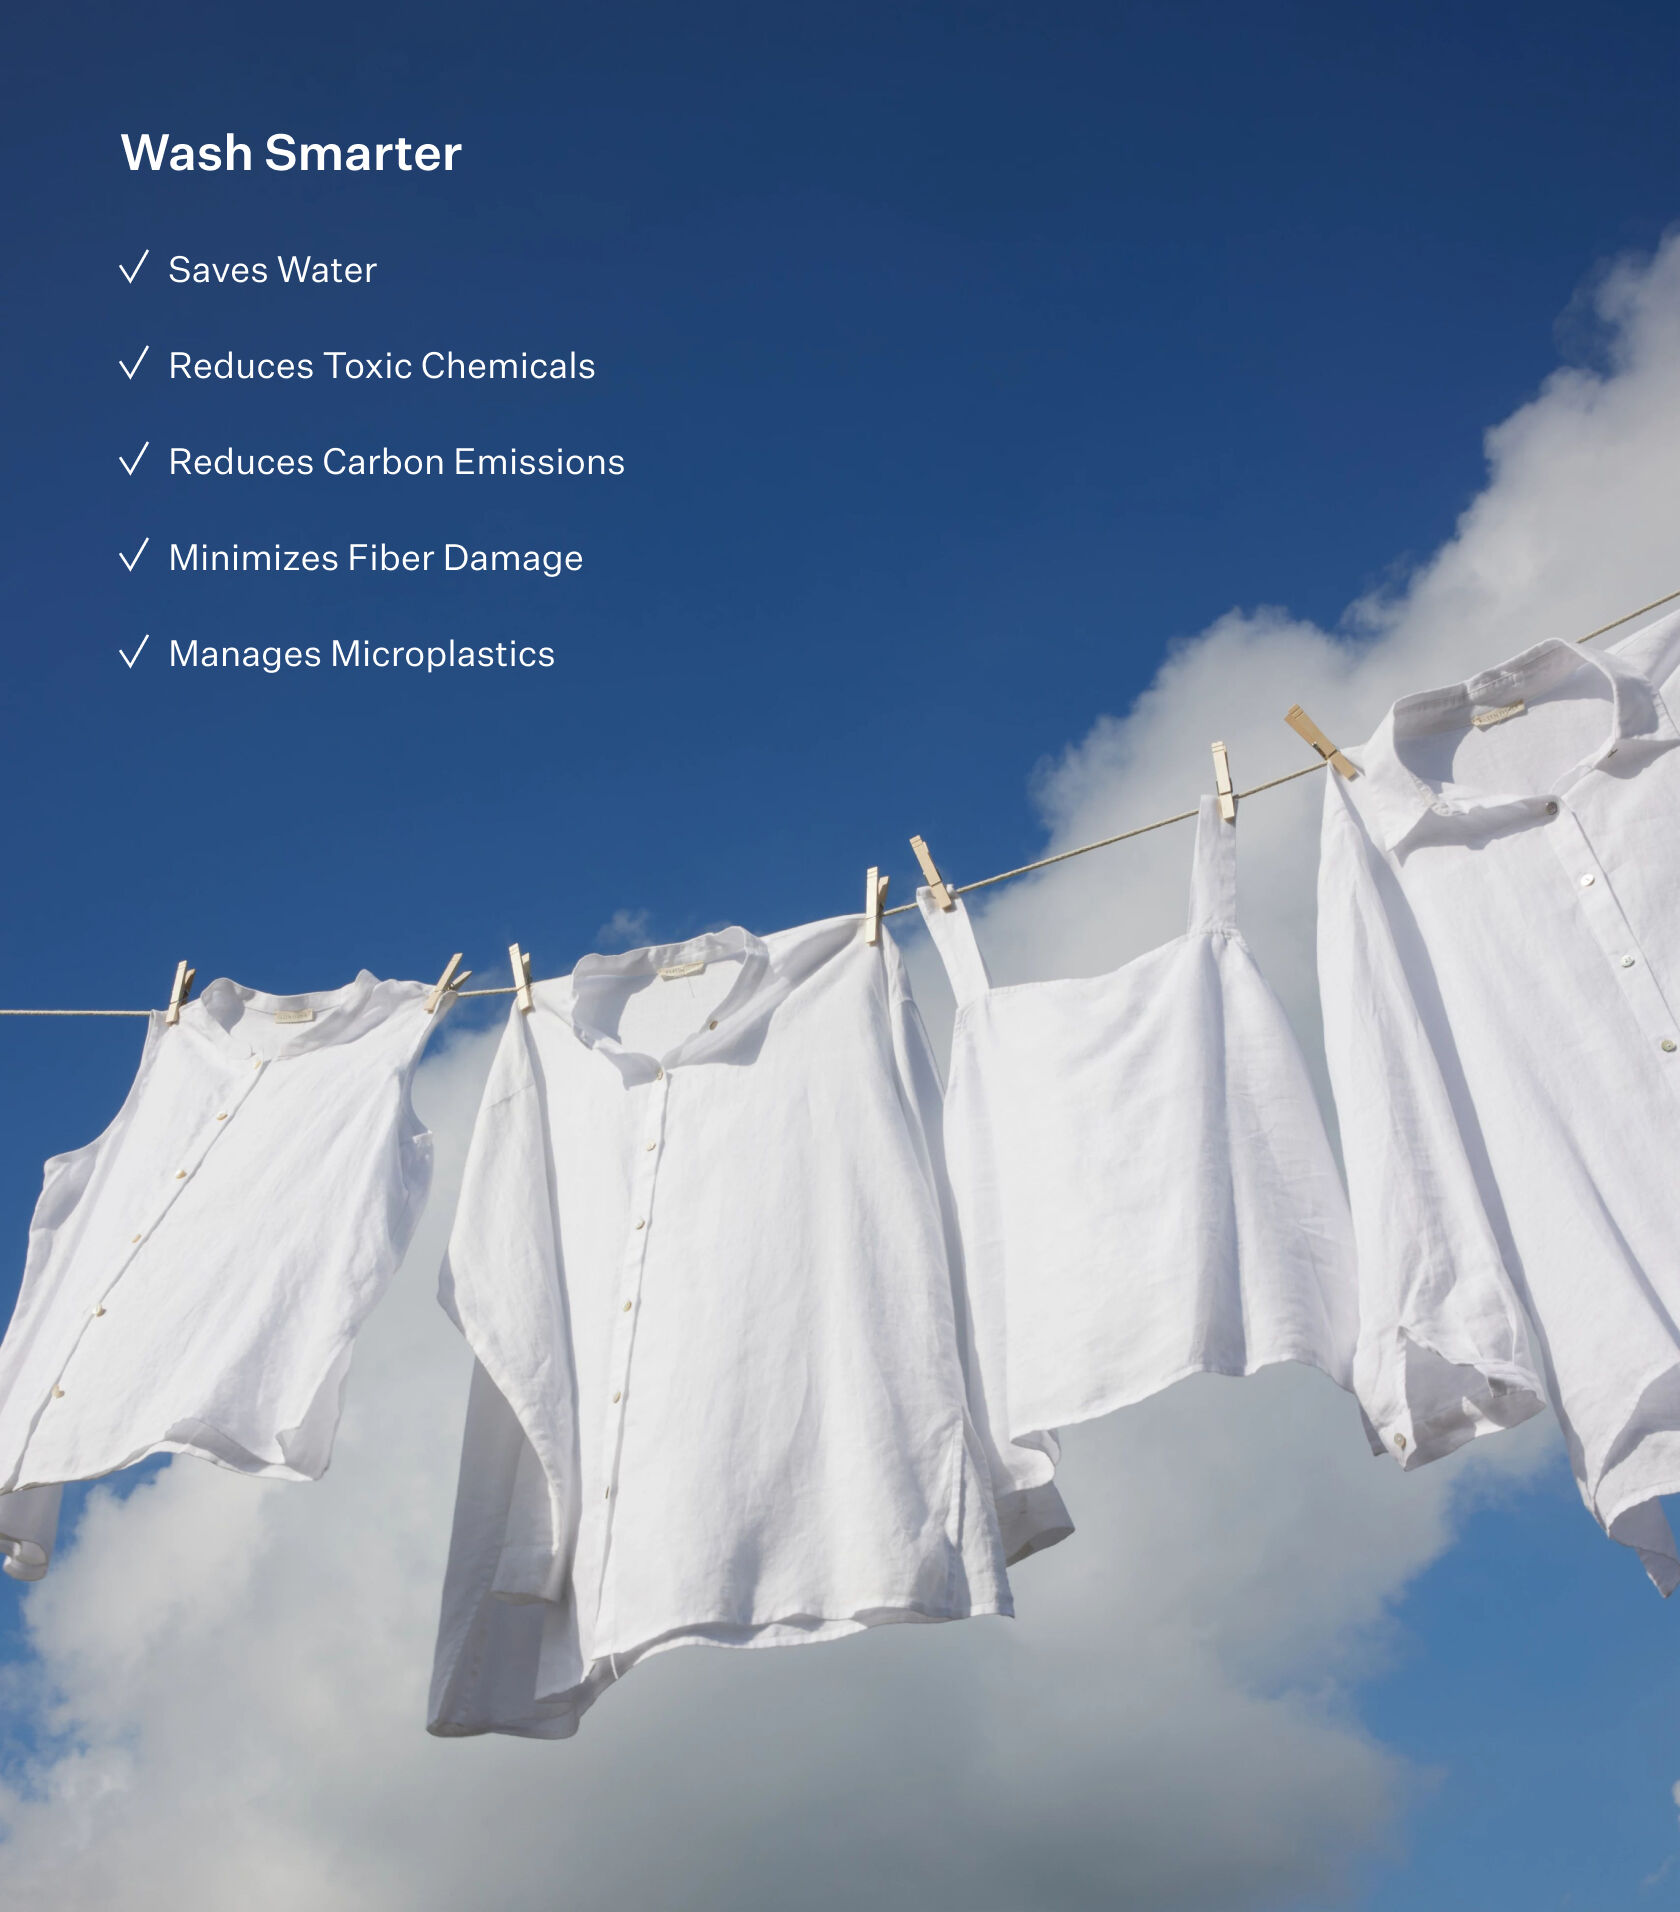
[{"x": 1140, "y": 1168}]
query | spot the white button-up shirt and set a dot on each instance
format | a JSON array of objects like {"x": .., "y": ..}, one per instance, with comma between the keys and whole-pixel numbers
[
  {"x": 726, "y": 1391},
  {"x": 196, "y": 1276},
  {"x": 1141, "y": 1169},
  {"x": 1499, "y": 952}
]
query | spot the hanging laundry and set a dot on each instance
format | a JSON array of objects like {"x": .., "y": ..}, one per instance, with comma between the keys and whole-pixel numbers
[
  {"x": 1140, "y": 1167},
  {"x": 28, "y": 1528},
  {"x": 1499, "y": 959},
  {"x": 726, "y": 1391},
  {"x": 196, "y": 1276}
]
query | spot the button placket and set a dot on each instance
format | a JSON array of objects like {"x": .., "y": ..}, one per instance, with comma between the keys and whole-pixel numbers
[
  {"x": 232, "y": 1095},
  {"x": 648, "y": 1153},
  {"x": 1602, "y": 912}
]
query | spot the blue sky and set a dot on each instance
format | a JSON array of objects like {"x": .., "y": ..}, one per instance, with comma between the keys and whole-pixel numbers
[{"x": 961, "y": 358}]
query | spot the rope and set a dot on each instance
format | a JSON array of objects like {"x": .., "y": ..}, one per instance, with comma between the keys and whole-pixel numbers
[
  {"x": 1616, "y": 623},
  {"x": 75, "y": 1012},
  {"x": 1102, "y": 843},
  {"x": 982, "y": 882}
]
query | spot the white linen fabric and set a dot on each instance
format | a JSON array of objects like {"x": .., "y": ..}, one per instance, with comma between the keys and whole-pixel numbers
[
  {"x": 196, "y": 1276},
  {"x": 1499, "y": 955},
  {"x": 28, "y": 1528},
  {"x": 1140, "y": 1167},
  {"x": 726, "y": 1391}
]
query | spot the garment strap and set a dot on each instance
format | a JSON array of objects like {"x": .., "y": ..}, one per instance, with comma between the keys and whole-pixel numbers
[
  {"x": 953, "y": 937},
  {"x": 1213, "y": 871}
]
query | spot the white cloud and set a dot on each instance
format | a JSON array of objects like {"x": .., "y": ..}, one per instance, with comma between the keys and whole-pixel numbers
[
  {"x": 624, "y": 929},
  {"x": 230, "y": 1677},
  {"x": 1575, "y": 526}
]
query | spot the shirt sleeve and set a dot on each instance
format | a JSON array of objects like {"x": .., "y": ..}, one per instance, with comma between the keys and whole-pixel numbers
[
  {"x": 501, "y": 1286},
  {"x": 28, "y": 1528},
  {"x": 1445, "y": 1347},
  {"x": 1031, "y": 1514}
]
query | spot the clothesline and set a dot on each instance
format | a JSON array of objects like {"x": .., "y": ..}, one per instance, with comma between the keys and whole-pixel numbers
[
  {"x": 1003, "y": 876},
  {"x": 1185, "y": 816}
]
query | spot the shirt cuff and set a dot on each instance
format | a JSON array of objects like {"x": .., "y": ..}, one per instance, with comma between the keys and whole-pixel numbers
[
  {"x": 28, "y": 1528},
  {"x": 1031, "y": 1520}
]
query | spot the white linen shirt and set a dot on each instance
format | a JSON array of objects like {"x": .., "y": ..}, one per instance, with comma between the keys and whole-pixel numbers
[
  {"x": 196, "y": 1275},
  {"x": 1499, "y": 957},
  {"x": 725, "y": 1391},
  {"x": 1141, "y": 1168}
]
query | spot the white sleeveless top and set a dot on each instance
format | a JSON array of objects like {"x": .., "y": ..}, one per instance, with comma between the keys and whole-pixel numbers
[
  {"x": 197, "y": 1274},
  {"x": 1140, "y": 1168}
]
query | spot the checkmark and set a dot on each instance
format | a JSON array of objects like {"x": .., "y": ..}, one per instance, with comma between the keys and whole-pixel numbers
[
  {"x": 129, "y": 661},
  {"x": 132, "y": 369},
  {"x": 121, "y": 460},
  {"x": 132, "y": 562},
  {"x": 129, "y": 276}
]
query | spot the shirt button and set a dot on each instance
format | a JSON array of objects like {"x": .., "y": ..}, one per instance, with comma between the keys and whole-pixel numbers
[
  {"x": 58, "y": 1394},
  {"x": 1442, "y": 809},
  {"x": 641, "y": 1224},
  {"x": 627, "y": 1305},
  {"x": 1627, "y": 962},
  {"x": 1668, "y": 1045},
  {"x": 1400, "y": 1441},
  {"x": 618, "y": 1394},
  {"x": 98, "y": 1311},
  {"x": 222, "y": 1117},
  {"x": 712, "y": 1024},
  {"x": 653, "y": 1145},
  {"x": 258, "y": 1063},
  {"x": 659, "y": 1075},
  {"x": 180, "y": 1175},
  {"x": 1587, "y": 882},
  {"x": 1551, "y": 809},
  {"x": 133, "y": 1239}
]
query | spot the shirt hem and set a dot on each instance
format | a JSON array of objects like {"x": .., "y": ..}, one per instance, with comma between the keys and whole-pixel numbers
[
  {"x": 557, "y": 1715},
  {"x": 1112, "y": 1401}
]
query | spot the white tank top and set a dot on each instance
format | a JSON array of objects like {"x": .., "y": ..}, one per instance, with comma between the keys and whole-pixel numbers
[
  {"x": 1140, "y": 1167},
  {"x": 197, "y": 1274}
]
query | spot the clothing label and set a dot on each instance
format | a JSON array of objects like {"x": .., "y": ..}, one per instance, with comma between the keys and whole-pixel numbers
[
  {"x": 677, "y": 970},
  {"x": 294, "y": 1015},
  {"x": 1483, "y": 718}
]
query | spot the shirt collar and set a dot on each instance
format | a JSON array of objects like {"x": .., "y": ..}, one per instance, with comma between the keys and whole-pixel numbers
[
  {"x": 1401, "y": 804},
  {"x": 759, "y": 986},
  {"x": 223, "y": 1010}
]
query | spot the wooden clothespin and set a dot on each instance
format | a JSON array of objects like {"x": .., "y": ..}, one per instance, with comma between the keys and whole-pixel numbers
[
  {"x": 179, "y": 993},
  {"x": 937, "y": 886},
  {"x": 452, "y": 978},
  {"x": 521, "y": 960},
  {"x": 1223, "y": 785},
  {"x": 874, "y": 901},
  {"x": 1303, "y": 726}
]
